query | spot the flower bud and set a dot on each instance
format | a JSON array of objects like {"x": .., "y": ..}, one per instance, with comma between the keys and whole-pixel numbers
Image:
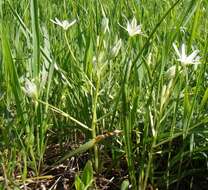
[{"x": 30, "y": 89}]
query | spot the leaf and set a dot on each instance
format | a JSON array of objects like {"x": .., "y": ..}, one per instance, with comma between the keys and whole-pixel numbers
[
  {"x": 88, "y": 58},
  {"x": 81, "y": 149},
  {"x": 87, "y": 176},
  {"x": 125, "y": 185},
  {"x": 187, "y": 104},
  {"x": 204, "y": 99},
  {"x": 11, "y": 76},
  {"x": 79, "y": 185},
  {"x": 35, "y": 39}
]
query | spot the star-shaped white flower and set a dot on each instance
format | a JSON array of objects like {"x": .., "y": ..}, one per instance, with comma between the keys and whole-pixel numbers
[
  {"x": 132, "y": 28},
  {"x": 192, "y": 59},
  {"x": 65, "y": 24}
]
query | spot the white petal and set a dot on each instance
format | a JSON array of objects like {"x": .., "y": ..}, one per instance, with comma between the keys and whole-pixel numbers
[
  {"x": 183, "y": 51},
  {"x": 193, "y": 55},
  {"x": 72, "y": 22},
  {"x": 58, "y": 21},
  {"x": 133, "y": 22},
  {"x": 53, "y": 21},
  {"x": 138, "y": 29},
  {"x": 128, "y": 28}
]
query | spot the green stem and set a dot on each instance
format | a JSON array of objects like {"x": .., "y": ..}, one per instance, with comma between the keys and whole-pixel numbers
[
  {"x": 127, "y": 127},
  {"x": 94, "y": 121},
  {"x": 70, "y": 50},
  {"x": 152, "y": 150}
]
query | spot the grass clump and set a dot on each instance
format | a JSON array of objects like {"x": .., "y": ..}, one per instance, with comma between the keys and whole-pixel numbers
[{"x": 116, "y": 89}]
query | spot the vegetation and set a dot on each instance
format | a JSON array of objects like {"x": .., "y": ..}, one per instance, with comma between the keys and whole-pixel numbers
[{"x": 104, "y": 94}]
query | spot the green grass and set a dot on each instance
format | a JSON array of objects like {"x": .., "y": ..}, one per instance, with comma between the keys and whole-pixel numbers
[{"x": 118, "y": 107}]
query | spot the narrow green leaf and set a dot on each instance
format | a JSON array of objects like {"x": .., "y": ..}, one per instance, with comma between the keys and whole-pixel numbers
[
  {"x": 187, "y": 104},
  {"x": 204, "y": 99},
  {"x": 35, "y": 37},
  {"x": 10, "y": 71},
  {"x": 79, "y": 150},
  {"x": 87, "y": 175},
  {"x": 79, "y": 185}
]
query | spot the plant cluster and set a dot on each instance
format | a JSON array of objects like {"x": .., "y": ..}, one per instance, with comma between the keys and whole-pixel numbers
[{"x": 116, "y": 89}]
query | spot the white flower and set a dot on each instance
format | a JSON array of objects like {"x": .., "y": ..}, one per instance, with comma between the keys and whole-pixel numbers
[
  {"x": 65, "y": 24},
  {"x": 133, "y": 29},
  {"x": 30, "y": 89},
  {"x": 192, "y": 59}
]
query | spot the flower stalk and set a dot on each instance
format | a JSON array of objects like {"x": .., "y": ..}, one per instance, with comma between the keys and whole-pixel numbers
[{"x": 69, "y": 47}]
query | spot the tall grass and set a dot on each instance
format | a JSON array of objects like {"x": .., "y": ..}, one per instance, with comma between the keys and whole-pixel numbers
[{"x": 112, "y": 101}]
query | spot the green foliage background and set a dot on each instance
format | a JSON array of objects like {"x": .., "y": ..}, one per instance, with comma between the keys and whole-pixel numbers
[{"x": 163, "y": 121}]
